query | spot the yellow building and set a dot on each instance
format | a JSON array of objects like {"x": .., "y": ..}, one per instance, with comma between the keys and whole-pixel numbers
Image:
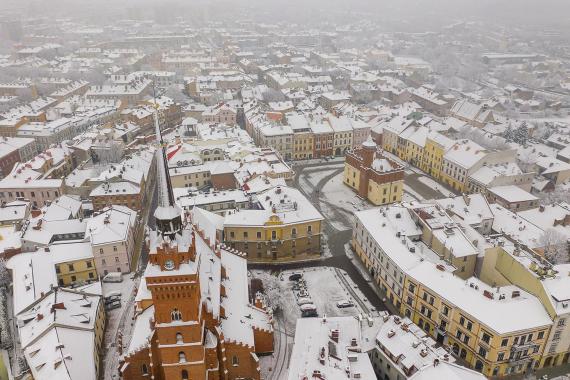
[
  {"x": 74, "y": 263},
  {"x": 550, "y": 284},
  {"x": 373, "y": 176},
  {"x": 482, "y": 325},
  {"x": 499, "y": 330},
  {"x": 303, "y": 145},
  {"x": 276, "y": 231},
  {"x": 197, "y": 176},
  {"x": 435, "y": 147},
  {"x": 413, "y": 143}
]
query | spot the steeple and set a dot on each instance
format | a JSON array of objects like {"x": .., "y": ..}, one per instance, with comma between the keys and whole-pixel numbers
[{"x": 168, "y": 214}]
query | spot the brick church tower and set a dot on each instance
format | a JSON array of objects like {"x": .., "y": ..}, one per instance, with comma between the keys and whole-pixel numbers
[
  {"x": 174, "y": 284},
  {"x": 194, "y": 319}
]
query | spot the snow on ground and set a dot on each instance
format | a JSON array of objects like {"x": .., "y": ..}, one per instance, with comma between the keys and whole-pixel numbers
[
  {"x": 410, "y": 193},
  {"x": 430, "y": 182},
  {"x": 324, "y": 286},
  {"x": 311, "y": 177},
  {"x": 406, "y": 197},
  {"x": 339, "y": 202}
]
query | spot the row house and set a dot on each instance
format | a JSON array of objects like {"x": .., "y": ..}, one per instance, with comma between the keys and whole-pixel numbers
[{"x": 479, "y": 323}]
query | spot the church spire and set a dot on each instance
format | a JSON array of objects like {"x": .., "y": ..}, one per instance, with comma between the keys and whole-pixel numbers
[{"x": 168, "y": 214}]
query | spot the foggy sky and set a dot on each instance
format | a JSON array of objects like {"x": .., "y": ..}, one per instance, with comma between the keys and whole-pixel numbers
[{"x": 400, "y": 14}]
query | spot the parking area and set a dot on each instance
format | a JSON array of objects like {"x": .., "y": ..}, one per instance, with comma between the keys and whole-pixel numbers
[{"x": 326, "y": 290}]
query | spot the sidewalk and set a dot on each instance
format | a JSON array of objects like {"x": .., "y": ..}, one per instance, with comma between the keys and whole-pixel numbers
[{"x": 355, "y": 260}]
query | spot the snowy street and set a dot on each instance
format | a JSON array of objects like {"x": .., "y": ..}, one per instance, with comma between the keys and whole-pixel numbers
[{"x": 119, "y": 324}]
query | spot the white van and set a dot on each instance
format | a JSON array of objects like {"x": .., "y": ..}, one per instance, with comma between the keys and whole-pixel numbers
[{"x": 113, "y": 277}]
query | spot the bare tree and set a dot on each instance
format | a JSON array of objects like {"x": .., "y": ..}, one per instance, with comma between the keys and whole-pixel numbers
[
  {"x": 175, "y": 93},
  {"x": 272, "y": 95},
  {"x": 555, "y": 245},
  {"x": 557, "y": 196},
  {"x": 5, "y": 277},
  {"x": 274, "y": 294}
]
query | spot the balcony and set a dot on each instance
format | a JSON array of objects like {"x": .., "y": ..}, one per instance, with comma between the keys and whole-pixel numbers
[
  {"x": 519, "y": 360},
  {"x": 522, "y": 347}
]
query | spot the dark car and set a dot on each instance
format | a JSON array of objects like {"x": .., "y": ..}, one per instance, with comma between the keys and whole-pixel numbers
[
  {"x": 309, "y": 314},
  {"x": 344, "y": 304},
  {"x": 113, "y": 305},
  {"x": 295, "y": 277}
]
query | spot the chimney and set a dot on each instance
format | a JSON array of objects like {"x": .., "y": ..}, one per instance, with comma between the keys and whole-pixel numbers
[{"x": 335, "y": 335}]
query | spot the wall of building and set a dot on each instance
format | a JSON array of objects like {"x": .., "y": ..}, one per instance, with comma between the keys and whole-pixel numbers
[
  {"x": 75, "y": 272},
  {"x": 260, "y": 246}
]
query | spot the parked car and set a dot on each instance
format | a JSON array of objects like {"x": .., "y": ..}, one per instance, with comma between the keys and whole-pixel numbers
[
  {"x": 113, "y": 297},
  {"x": 113, "y": 305},
  {"x": 309, "y": 310},
  {"x": 295, "y": 277},
  {"x": 344, "y": 304},
  {"x": 304, "y": 301}
]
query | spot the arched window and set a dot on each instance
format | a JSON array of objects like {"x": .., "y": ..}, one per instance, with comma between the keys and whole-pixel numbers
[
  {"x": 181, "y": 357},
  {"x": 235, "y": 361},
  {"x": 184, "y": 374},
  {"x": 144, "y": 369},
  {"x": 179, "y": 339},
  {"x": 176, "y": 315}
]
